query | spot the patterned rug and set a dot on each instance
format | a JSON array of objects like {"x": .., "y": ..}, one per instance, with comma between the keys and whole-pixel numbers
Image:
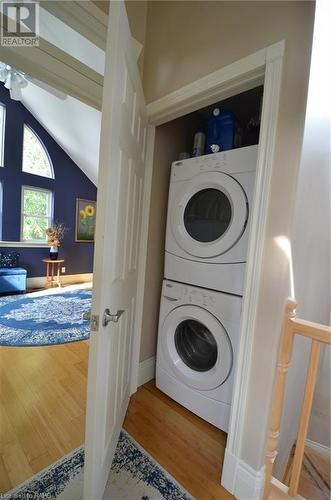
[
  {"x": 134, "y": 475},
  {"x": 44, "y": 319}
]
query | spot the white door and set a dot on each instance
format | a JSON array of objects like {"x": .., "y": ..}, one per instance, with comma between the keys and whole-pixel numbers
[{"x": 120, "y": 186}]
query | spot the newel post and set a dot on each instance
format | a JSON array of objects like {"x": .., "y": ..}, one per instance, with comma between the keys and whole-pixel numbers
[{"x": 283, "y": 361}]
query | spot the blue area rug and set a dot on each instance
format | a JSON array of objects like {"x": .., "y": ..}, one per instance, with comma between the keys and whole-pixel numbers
[
  {"x": 134, "y": 475},
  {"x": 39, "y": 320}
]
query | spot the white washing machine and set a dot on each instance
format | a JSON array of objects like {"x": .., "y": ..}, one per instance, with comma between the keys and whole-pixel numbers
[
  {"x": 197, "y": 345},
  {"x": 210, "y": 199}
]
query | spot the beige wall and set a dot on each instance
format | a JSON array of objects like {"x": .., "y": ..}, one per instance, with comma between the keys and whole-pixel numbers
[
  {"x": 170, "y": 140},
  {"x": 187, "y": 40},
  {"x": 137, "y": 12}
]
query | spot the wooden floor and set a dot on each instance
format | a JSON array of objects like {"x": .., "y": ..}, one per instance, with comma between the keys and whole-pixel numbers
[
  {"x": 189, "y": 448},
  {"x": 315, "y": 475},
  {"x": 42, "y": 418},
  {"x": 42, "y": 407}
]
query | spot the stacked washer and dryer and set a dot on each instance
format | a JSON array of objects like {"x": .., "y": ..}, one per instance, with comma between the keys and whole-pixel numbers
[{"x": 210, "y": 199}]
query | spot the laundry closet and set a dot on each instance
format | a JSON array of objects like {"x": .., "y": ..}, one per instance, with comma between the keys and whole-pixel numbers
[{"x": 197, "y": 249}]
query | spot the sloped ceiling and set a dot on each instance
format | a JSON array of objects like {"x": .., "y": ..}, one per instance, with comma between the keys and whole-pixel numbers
[{"x": 75, "y": 126}]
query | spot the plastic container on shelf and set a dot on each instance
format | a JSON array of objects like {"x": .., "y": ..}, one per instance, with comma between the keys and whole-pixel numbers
[
  {"x": 222, "y": 129},
  {"x": 199, "y": 143}
]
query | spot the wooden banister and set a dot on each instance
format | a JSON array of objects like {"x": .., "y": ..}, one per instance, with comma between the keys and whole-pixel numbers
[
  {"x": 284, "y": 358},
  {"x": 305, "y": 417},
  {"x": 319, "y": 334}
]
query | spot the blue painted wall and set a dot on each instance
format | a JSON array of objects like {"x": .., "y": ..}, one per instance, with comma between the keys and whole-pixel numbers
[{"x": 69, "y": 183}]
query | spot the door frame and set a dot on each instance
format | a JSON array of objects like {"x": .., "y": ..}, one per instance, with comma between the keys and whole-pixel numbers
[{"x": 262, "y": 67}]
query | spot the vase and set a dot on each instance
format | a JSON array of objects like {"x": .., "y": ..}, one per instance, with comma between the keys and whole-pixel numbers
[{"x": 53, "y": 253}]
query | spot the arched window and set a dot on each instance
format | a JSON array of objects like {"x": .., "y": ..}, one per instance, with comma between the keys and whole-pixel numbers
[{"x": 35, "y": 158}]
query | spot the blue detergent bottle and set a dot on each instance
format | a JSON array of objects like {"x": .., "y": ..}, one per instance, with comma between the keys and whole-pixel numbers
[{"x": 222, "y": 128}]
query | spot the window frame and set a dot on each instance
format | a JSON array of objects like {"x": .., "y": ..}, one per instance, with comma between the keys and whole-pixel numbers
[
  {"x": 2, "y": 136},
  {"x": 1, "y": 208},
  {"x": 50, "y": 211},
  {"x": 34, "y": 133}
]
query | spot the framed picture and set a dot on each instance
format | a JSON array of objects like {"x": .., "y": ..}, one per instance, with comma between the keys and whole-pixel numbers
[{"x": 85, "y": 220}]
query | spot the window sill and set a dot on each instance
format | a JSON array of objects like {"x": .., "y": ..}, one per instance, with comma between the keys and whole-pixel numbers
[{"x": 23, "y": 244}]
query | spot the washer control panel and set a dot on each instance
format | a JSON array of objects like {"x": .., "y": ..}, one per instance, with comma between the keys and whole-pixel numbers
[
  {"x": 234, "y": 161},
  {"x": 177, "y": 292},
  {"x": 209, "y": 163}
]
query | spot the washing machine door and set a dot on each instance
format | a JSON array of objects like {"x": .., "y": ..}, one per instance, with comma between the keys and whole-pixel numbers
[
  {"x": 197, "y": 347},
  {"x": 209, "y": 215}
]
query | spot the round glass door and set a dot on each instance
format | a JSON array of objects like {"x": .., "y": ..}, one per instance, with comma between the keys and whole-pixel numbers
[
  {"x": 209, "y": 214},
  {"x": 196, "y": 347}
]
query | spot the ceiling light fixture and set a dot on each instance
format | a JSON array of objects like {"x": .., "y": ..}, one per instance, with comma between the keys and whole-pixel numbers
[{"x": 14, "y": 81}]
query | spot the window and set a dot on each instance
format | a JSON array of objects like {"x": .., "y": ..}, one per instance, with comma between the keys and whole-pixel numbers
[
  {"x": 37, "y": 212},
  {"x": 2, "y": 132},
  {"x": 35, "y": 157}
]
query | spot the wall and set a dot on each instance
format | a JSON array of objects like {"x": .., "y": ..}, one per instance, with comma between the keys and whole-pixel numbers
[
  {"x": 187, "y": 40},
  {"x": 170, "y": 139},
  {"x": 311, "y": 237},
  {"x": 69, "y": 183},
  {"x": 137, "y": 14}
]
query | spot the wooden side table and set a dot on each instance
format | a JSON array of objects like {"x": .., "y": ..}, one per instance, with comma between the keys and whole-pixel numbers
[{"x": 53, "y": 272}]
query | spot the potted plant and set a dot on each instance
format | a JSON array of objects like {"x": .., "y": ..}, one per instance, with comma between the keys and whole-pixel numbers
[{"x": 55, "y": 236}]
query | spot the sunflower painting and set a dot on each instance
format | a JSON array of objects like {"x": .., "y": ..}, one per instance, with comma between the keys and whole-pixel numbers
[{"x": 85, "y": 220}]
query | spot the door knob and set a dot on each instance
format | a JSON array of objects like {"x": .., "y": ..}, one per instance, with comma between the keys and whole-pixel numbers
[
  {"x": 87, "y": 315},
  {"x": 107, "y": 317}
]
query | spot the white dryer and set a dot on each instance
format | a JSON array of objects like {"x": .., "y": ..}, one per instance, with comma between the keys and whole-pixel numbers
[
  {"x": 209, "y": 205},
  {"x": 197, "y": 345}
]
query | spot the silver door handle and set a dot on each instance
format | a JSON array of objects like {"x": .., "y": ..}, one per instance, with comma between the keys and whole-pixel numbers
[
  {"x": 107, "y": 317},
  {"x": 87, "y": 315}
]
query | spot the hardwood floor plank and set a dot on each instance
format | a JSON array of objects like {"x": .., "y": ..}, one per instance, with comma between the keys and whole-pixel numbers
[
  {"x": 42, "y": 406},
  {"x": 5, "y": 483},
  {"x": 189, "y": 448},
  {"x": 16, "y": 463}
]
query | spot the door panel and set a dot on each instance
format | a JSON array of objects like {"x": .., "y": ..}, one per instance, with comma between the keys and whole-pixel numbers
[{"x": 121, "y": 175}]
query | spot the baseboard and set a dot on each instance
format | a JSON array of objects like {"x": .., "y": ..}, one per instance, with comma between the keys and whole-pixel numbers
[
  {"x": 39, "y": 281},
  {"x": 146, "y": 371},
  {"x": 240, "y": 479},
  {"x": 320, "y": 448}
]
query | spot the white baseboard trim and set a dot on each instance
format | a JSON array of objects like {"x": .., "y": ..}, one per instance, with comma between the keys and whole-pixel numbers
[
  {"x": 146, "y": 370},
  {"x": 320, "y": 448},
  {"x": 240, "y": 479},
  {"x": 39, "y": 281}
]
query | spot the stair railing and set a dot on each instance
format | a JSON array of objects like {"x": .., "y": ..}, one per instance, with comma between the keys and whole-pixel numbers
[{"x": 319, "y": 334}]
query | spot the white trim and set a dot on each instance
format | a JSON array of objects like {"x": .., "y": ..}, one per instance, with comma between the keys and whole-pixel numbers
[
  {"x": 271, "y": 94},
  {"x": 239, "y": 478},
  {"x": 283, "y": 489},
  {"x": 142, "y": 263},
  {"x": 242, "y": 75},
  {"x": 320, "y": 448},
  {"x": 23, "y": 244},
  {"x": 39, "y": 281},
  {"x": 236, "y": 77},
  {"x": 3, "y": 111},
  {"x": 50, "y": 210},
  {"x": 146, "y": 371}
]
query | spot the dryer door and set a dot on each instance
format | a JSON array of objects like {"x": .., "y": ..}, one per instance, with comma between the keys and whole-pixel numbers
[
  {"x": 209, "y": 215},
  {"x": 197, "y": 347}
]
